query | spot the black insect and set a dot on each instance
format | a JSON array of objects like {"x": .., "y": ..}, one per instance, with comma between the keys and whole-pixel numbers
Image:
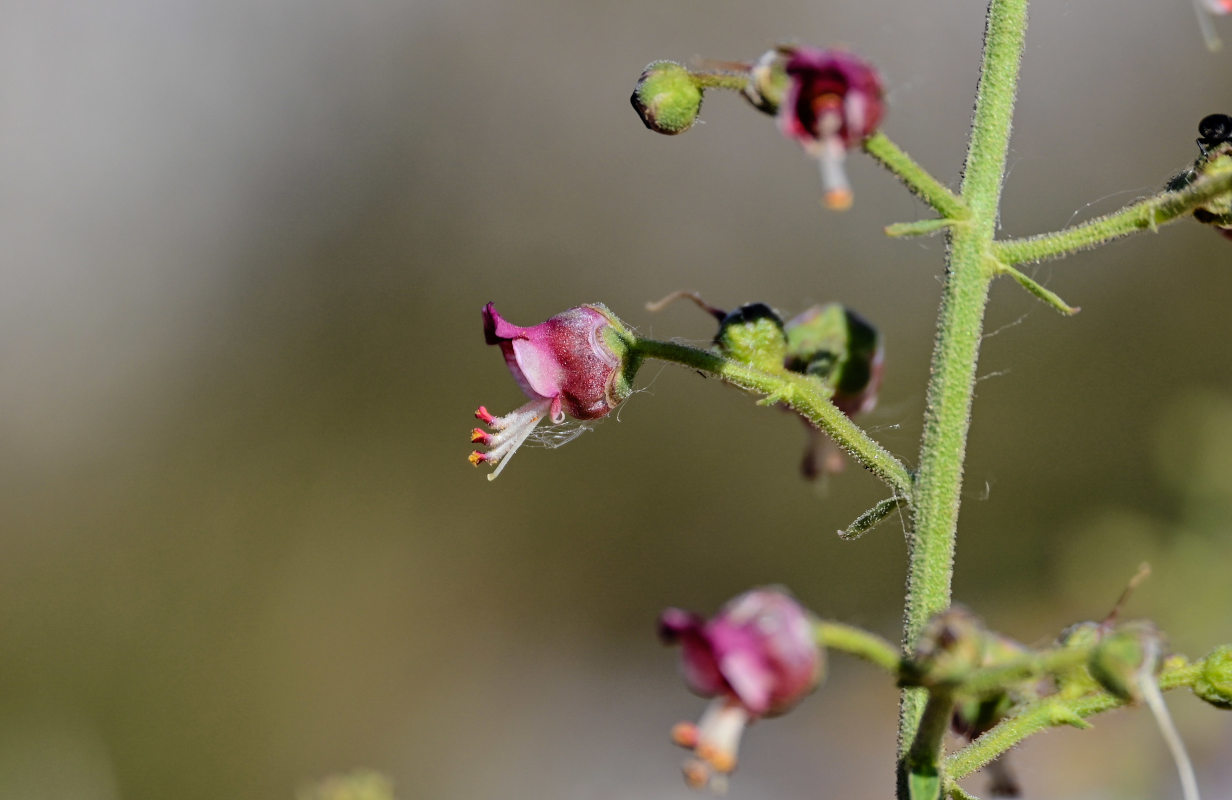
[{"x": 1214, "y": 130}]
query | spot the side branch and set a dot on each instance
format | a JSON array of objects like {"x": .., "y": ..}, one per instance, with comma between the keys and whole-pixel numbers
[
  {"x": 860, "y": 643},
  {"x": 916, "y": 178},
  {"x": 1046, "y": 713},
  {"x": 1147, "y": 214},
  {"x": 799, "y": 393}
]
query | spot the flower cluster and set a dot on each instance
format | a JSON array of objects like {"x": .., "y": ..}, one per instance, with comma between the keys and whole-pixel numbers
[
  {"x": 827, "y": 100},
  {"x": 758, "y": 657}
]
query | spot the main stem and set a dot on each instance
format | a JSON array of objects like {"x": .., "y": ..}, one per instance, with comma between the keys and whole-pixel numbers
[{"x": 947, "y": 415}]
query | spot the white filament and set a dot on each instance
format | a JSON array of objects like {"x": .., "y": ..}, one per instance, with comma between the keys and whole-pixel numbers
[
  {"x": 1155, "y": 701},
  {"x": 513, "y": 429}
]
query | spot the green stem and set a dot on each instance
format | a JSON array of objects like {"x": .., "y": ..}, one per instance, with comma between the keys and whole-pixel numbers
[
  {"x": 1047, "y": 713},
  {"x": 922, "y": 773},
  {"x": 956, "y": 792},
  {"x": 1146, "y": 214},
  {"x": 915, "y": 177},
  {"x": 860, "y": 643},
  {"x": 952, "y": 383},
  {"x": 720, "y": 80},
  {"x": 799, "y": 393},
  {"x": 1034, "y": 666}
]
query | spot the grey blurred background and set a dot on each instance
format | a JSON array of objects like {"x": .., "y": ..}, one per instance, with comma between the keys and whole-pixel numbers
[{"x": 245, "y": 245}]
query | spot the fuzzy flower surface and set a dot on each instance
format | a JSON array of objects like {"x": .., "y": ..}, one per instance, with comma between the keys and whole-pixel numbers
[
  {"x": 758, "y": 657},
  {"x": 834, "y": 100},
  {"x": 575, "y": 363}
]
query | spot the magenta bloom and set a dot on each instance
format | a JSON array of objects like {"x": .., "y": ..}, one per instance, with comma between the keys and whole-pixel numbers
[
  {"x": 757, "y": 657},
  {"x": 574, "y": 363},
  {"x": 834, "y": 100}
]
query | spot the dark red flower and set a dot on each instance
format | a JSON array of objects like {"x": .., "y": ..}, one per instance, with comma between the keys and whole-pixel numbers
[{"x": 834, "y": 100}]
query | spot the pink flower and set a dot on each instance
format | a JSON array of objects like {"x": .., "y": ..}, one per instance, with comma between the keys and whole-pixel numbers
[
  {"x": 575, "y": 363},
  {"x": 834, "y": 101},
  {"x": 758, "y": 657}
]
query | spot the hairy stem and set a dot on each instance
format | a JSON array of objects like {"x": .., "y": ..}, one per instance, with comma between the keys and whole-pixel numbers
[
  {"x": 859, "y": 643},
  {"x": 1050, "y": 712},
  {"x": 801, "y": 394},
  {"x": 1144, "y": 215},
  {"x": 921, "y": 775},
  {"x": 916, "y": 178},
  {"x": 951, "y": 386}
]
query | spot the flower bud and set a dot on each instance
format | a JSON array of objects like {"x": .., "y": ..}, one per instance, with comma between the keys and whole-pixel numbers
[
  {"x": 950, "y": 648},
  {"x": 838, "y": 346},
  {"x": 753, "y": 333},
  {"x": 758, "y": 657},
  {"x": 768, "y": 82},
  {"x": 667, "y": 98},
  {"x": 578, "y": 362},
  {"x": 1125, "y": 658},
  {"x": 1214, "y": 683}
]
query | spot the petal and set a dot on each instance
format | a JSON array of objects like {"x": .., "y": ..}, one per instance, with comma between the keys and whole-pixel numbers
[
  {"x": 750, "y": 678},
  {"x": 496, "y": 328}
]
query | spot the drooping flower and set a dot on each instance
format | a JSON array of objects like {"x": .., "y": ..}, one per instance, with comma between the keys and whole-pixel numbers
[
  {"x": 834, "y": 100},
  {"x": 758, "y": 657},
  {"x": 576, "y": 363}
]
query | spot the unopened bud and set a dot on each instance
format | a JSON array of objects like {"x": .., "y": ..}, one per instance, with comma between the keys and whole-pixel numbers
[
  {"x": 951, "y": 647},
  {"x": 1214, "y": 684},
  {"x": 667, "y": 98},
  {"x": 753, "y": 333},
  {"x": 768, "y": 81},
  {"x": 1124, "y": 659}
]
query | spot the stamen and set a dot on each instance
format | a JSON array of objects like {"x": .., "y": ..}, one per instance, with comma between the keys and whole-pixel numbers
[
  {"x": 511, "y": 431},
  {"x": 696, "y": 774},
  {"x": 830, "y": 155},
  {"x": 719, "y": 734},
  {"x": 684, "y": 734}
]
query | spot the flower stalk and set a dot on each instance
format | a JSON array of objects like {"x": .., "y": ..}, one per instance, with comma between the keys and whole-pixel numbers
[{"x": 799, "y": 393}]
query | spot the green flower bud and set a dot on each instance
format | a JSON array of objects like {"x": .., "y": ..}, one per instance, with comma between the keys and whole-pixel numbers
[
  {"x": 1214, "y": 684},
  {"x": 768, "y": 82},
  {"x": 667, "y": 98},
  {"x": 753, "y": 333},
  {"x": 1124, "y": 658},
  {"x": 951, "y": 647}
]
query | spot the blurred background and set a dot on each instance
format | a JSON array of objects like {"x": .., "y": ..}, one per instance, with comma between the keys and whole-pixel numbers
[{"x": 245, "y": 246}]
